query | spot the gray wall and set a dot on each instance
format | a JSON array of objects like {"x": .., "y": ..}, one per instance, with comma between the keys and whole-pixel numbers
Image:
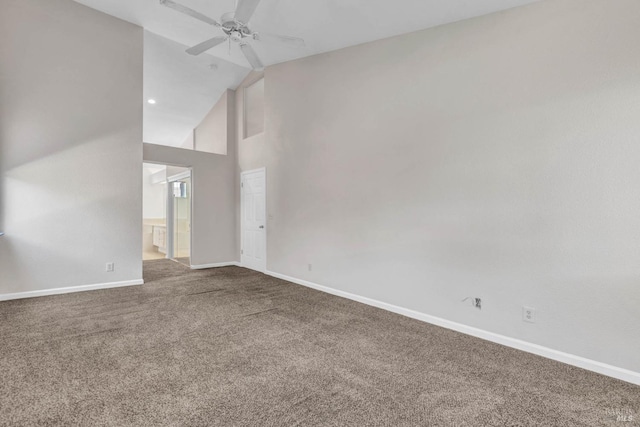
[
  {"x": 71, "y": 141},
  {"x": 495, "y": 158}
]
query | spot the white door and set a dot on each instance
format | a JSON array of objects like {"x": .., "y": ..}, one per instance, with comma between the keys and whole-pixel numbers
[{"x": 253, "y": 222}]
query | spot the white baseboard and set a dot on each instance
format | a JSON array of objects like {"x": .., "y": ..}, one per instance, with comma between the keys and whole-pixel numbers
[
  {"x": 570, "y": 359},
  {"x": 68, "y": 290},
  {"x": 216, "y": 265}
]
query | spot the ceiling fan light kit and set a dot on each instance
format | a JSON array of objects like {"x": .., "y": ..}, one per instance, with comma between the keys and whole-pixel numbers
[{"x": 235, "y": 26}]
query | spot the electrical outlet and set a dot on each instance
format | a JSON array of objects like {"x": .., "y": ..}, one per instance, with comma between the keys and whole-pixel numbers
[
  {"x": 310, "y": 267},
  {"x": 111, "y": 267},
  {"x": 529, "y": 314}
]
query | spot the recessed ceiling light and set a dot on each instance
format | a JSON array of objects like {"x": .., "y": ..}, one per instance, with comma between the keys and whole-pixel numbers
[{"x": 151, "y": 101}]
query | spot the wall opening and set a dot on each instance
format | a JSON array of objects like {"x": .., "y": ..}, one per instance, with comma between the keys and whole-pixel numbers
[{"x": 253, "y": 109}]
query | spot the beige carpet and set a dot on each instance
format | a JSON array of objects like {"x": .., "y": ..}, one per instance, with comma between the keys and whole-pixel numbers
[{"x": 231, "y": 347}]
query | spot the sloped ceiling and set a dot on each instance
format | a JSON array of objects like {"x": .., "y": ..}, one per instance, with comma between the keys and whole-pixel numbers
[
  {"x": 181, "y": 83},
  {"x": 184, "y": 87}
]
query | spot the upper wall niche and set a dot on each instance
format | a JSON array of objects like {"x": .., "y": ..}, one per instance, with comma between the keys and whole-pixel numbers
[{"x": 253, "y": 109}]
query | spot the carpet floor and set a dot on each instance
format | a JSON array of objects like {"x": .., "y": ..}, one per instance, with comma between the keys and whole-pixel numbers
[{"x": 232, "y": 347}]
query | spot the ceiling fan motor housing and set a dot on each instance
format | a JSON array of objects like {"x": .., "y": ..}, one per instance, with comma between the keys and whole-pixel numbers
[{"x": 234, "y": 29}]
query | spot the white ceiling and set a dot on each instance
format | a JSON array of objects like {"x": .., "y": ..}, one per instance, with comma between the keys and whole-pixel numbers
[
  {"x": 325, "y": 24},
  {"x": 185, "y": 87}
]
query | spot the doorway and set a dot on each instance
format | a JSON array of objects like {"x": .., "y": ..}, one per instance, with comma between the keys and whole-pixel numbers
[
  {"x": 253, "y": 253},
  {"x": 179, "y": 221},
  {"x": 154, "y": 211}
]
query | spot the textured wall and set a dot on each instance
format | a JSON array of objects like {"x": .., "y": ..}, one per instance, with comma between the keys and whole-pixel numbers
[
  {"x": 495, "y": 158},
  {"x": 211, "y": 135},
  {"x": 71, "y": 141}
]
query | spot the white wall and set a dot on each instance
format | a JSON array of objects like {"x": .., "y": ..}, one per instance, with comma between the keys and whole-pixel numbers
[
  {"x": 154, "y": 195},
  {"x": 71, "y": 133},
  {"x": 495, "y": 158},
  {"x": 189, "y": 141},
  {"x": 211, "y": 135}
]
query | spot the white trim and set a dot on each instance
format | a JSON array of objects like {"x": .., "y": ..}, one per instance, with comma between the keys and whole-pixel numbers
[
  {"x": 240, "y": 264},
  {"x": 179, "y": 176},
  {"x": 70, "y": 289},
  {"x": 170, "y": 210},
  {"x": 570, "y": 359},
  {"x": 216, "y": 265}
]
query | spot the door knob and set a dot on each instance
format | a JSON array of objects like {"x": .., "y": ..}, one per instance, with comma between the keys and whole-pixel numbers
[{"x": 262, "y": 226}]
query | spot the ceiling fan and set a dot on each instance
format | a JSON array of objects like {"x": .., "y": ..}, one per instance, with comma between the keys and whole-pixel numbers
[{"x": 235, "y": 26}]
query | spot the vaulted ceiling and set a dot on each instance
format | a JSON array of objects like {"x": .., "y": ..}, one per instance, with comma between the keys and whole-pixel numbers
[
  {"x": 325, "y": 25},
  {"x": 184, "y": 88}
]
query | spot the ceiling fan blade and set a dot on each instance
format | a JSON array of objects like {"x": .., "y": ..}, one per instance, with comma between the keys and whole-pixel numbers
[
  {"x": 188, "y": 11},
  {"x": 251, "y": 56},
  {"x": 245, "y": 10},
  {"x": 268, "y": 37},
  {"x": 206, "y": 45}
]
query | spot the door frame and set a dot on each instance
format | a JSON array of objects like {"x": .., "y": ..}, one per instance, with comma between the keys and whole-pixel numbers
[
  {"x": 266, "y": 219},
  {"x": 170, "y": 211}
]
